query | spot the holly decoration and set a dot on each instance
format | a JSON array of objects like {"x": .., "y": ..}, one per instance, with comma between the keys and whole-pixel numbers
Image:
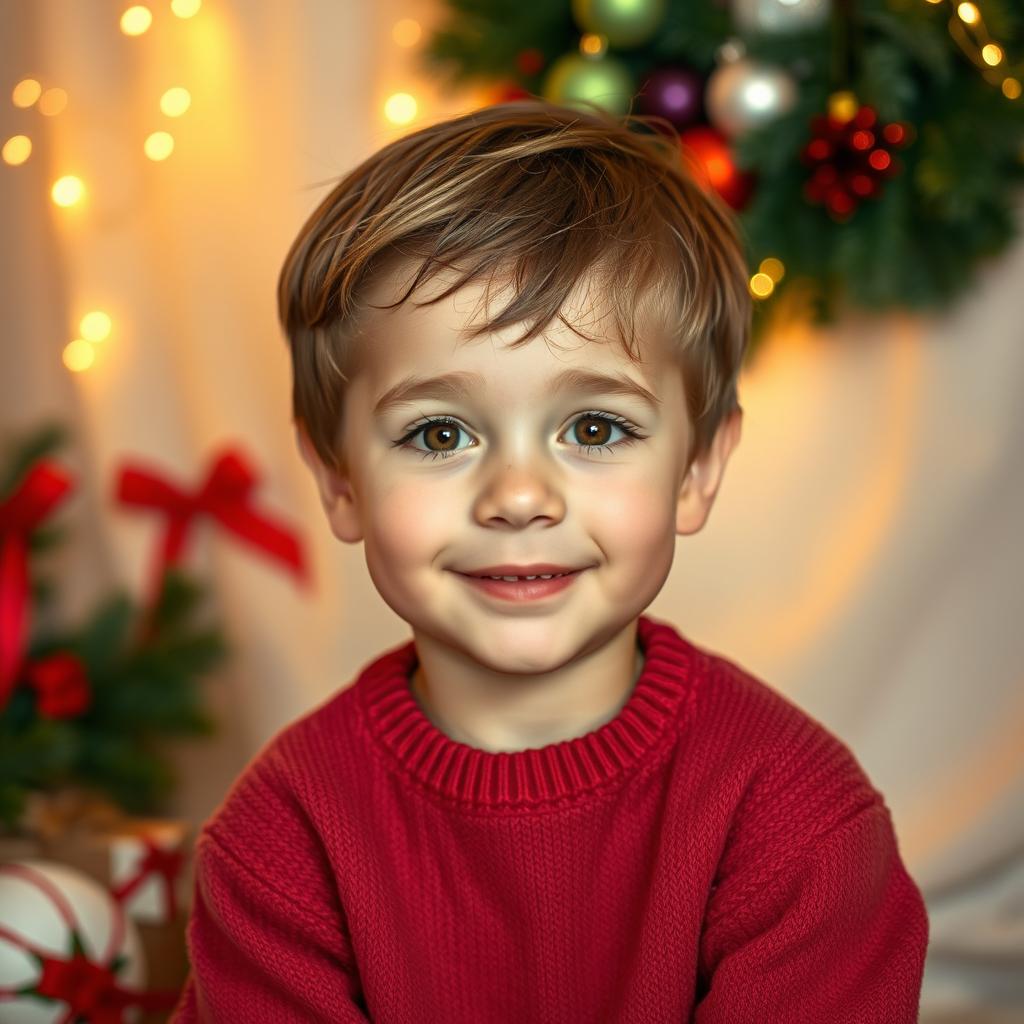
[
  {"x": 86, "y": 705},
  {"x": 851, "y": 158}
]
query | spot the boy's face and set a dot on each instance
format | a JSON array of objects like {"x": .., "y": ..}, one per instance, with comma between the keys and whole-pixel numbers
[{"x": 521, "y": 484}]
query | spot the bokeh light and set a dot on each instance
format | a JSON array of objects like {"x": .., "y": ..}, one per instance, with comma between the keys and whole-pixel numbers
[
  {"x": 68, "y": 190},
  {"x": 761, "y": 285},
  {"x": 1011, "y": 88},
  {"x": 186, "y": 8},
  {"x": 991, "y": 54},
  {"x": 773, "y": 267},
  {"x": 52, "y": 102},
  {"x": 26, "y": 92},
  {"x": 175, "y": 101},
  {"x": 78, "y": 355},
  {"x": 843, "y": 105},
  {"x": 406, "y": 32},
  {"x": 400, "y": 108},
  {"x": 17, "y": 150},
  {"x": 136, "y": 20},
  {"x": 159, "y": 145},
  {"x": 968, "y": 13},
  {"x": 95, "y": 326}
]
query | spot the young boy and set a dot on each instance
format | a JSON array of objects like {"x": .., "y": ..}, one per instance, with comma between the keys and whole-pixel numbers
[{"x": 516, "y": 337}]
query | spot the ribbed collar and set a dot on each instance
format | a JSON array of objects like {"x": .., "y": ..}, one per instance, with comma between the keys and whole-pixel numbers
[{"x": 663, "y": 697}]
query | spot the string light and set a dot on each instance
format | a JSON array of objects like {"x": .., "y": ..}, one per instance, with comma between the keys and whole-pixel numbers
[
  {"x": 136, "y": 20},
  {"x": 967, "y": 27},
  {"x": 968, "y": 13},
  {"x": 400, "y": 108},
  {"x": 17, "y": 150},
  {"x": 26, "y": 92},
  {"x": 175, "y": 101},
  {"x": 773, "y": 267},
  {"x": 843, "y": 105},
  {"x": 185, "y": 8},
  {"x": 78, "y": 355},
  {"x": 52, "y": 102},
  {"x": 95, "y": 326},
  {"x": 68, "y": 190},
  {"x": 991, "y": 54},
  {"x": 159, "y": 145},
  {"x": 406, "y": 32}
]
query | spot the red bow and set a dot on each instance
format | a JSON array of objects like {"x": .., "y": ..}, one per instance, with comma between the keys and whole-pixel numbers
[
  {"x": 156, "y": 860},
  {"x": 89, "y": 989},
  {"x": 226, "y": 495},
  {"x": 40, "y": 491}
]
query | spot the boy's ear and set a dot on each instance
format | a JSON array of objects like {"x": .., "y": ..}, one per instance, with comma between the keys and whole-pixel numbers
[
  {"x": 698, "y": 490},
  {"x": 335, "y": 487}
]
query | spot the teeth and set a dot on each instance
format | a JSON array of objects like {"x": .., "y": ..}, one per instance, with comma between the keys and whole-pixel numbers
[{"x": 515, "y": 579}]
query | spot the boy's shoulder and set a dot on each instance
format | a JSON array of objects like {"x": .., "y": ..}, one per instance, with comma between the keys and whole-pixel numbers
[
  {"x": 791, "y": 779},
  {"x": 298, "y": 774}
]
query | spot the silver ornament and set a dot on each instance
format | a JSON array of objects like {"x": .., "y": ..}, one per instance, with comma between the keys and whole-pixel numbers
[
  {"x": 771, "y": 17},
  {"x": 746, "y": 94}
]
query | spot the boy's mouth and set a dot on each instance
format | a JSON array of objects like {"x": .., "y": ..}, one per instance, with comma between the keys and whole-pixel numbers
[
  {"x": 517, "y": 589},
  {"x": 518, "y": 573}
]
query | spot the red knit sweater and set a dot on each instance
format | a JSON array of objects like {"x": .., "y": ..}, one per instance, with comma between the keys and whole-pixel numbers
[{"x": 711, "y": 855}]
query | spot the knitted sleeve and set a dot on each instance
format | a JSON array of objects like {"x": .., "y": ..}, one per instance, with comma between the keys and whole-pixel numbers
[
  {"x": 836, "y": 936},
  {"x": 267, "y": 937},
  {"x": 257, "y": 954}
]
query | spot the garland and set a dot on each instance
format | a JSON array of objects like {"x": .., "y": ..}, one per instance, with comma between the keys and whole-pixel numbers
[{"x": 872, "y": 149}]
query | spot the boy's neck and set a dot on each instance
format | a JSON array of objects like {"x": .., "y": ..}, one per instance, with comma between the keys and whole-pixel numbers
[{"x": 470, "y": 721}]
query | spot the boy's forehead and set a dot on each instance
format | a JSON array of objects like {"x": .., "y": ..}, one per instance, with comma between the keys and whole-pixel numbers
[{"x": 414, "y": 337}]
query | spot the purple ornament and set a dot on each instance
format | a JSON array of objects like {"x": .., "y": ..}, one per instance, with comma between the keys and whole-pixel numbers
[{"x": 673, "y": 93}]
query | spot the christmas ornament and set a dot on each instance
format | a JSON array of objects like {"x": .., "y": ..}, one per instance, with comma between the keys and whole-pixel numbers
[
  {"x": 67, "y": 950},
  {"x": 625, "y": 23},
  {"x": 850, "y": 159},
  {"x": 576, "y": 81},
  {"x": 225, "y": 495},
  {"x": 674, "y": 93},
  {"x": 779, "y": 16},
  {"x": 744, "y": 94},
  {"x": 707, "y": 153}
]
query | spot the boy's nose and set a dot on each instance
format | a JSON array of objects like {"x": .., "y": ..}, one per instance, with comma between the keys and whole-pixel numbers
[{"x": 519, "y": 494}]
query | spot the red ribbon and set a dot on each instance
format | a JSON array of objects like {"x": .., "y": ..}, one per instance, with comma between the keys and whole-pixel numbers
[
  {"x": 40, "y": 491},
  {"x": 155, "y": 861},
  {"x": 92, "y": 991},
  {"x": 225, "y": 495},
  {"x": 89, "y": 989}
]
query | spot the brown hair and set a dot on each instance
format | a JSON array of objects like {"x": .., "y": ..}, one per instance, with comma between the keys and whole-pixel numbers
[{"x": 552, "y": 194}]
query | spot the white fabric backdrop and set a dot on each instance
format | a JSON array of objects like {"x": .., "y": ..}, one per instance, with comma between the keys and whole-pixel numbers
[{"x": 864, "y": 556}]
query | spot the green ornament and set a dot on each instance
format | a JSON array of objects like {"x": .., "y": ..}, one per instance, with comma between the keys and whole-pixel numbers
[
  {"x": 578, "y": 81},
  {"x": 624, "y": 23}
]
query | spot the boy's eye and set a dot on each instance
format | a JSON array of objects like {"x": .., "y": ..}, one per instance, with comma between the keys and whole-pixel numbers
[{"x": 591, "y": 432}]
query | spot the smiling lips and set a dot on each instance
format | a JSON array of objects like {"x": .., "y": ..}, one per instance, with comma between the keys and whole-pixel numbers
[
  {"x": 531, "y": 586},
  {"x": 521, "y": 572}
]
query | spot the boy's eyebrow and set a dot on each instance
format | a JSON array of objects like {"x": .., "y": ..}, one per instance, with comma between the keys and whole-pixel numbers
[{"x": 461, "y": 384}]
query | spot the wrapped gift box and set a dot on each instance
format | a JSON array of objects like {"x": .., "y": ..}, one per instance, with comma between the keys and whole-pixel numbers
[{"x": 145, "y": 863}]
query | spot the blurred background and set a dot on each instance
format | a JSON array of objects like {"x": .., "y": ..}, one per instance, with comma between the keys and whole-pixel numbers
[{"x": 170, "y": 593}]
